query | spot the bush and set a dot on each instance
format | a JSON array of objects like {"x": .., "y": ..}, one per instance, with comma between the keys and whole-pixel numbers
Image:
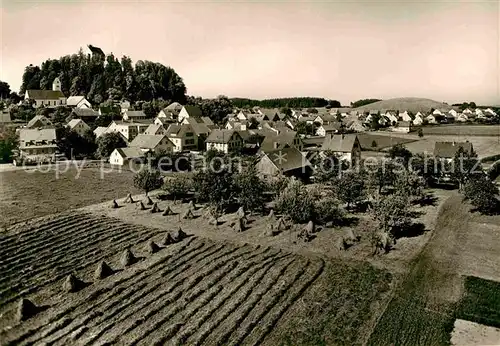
[
  {"x": 295, "y": 202},
  {"x": 482, "y": 193},
  {"x": 328, "y": 210},
  {"x": 249, "y": 189},
  {"x": 147, "y": 180},
  {"x": 420, "y": 132},
  {"x": 178, "y": 187}
]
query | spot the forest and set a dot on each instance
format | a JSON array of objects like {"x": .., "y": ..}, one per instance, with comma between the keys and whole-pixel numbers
[{"x": 288, "y": 102}]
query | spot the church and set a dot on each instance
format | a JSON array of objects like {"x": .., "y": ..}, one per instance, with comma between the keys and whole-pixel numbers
[{"x": 47, "y": 98}]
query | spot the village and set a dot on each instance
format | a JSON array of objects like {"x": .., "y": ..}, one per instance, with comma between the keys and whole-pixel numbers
[{"x": 236, "y": 173}]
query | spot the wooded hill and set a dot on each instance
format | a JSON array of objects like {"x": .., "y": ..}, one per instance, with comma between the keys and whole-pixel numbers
[{"x": 101, "y": 77}]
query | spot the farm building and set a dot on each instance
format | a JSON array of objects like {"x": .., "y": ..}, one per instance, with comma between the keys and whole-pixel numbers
[
  {"x": 402, "y": 126},
  {"x": 155, "y": 129},
  {"x": 37, "y": 145},
  {"x": 346, "y": 147},
  {"x": 224, "y": 140},
  {"x": 447, "y": 150},
  {"x": 462, "y": 117},
  {"x": 171, "y": 112},
  {"x": 405, "y": 116},
  {"x": 78, "y": 102},
  {"x": 122, "y": 156},
  {"x": 133, "y": 115},
  {"x": 153, "y": 143},
  {"x": 273, "y": 141},
  {"x": 419, "y": 119},
  {"x": 79, "y": 126},
  {"x": 331, "y": 128},
  {"x": 183, "y": 137},
  {"x": 287, "y": 161},
  {"x": 86, "y": 114},
  {"x": 38, "y": 121},
  {"x": 239, "y": 125}
]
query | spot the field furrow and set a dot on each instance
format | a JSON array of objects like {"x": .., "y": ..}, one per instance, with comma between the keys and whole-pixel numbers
[
  {"x": 121, "y": 287},
  {"x": 259, "y": 327},
  {"x": 88, "y": 256},
  {"x": 225, "y": 323},
  {"x": 253, "y": 272},
  {"x": 192, "y": 279},
  {"x": 196, "y": 300}
]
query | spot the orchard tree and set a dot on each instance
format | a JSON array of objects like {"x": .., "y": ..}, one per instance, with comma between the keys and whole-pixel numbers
[
  {"x": 482, "y": 194},
  {"x": 393, "y": 213},
  {"x": 148, "y": 180},
  {"x": 249, "y": 189},
  {"x": 215, "y": 187},
  {"x": 296, "y": 202},
  {"x": 464, "y": 167},
  {"x": 350, "y": 188},
  {"x": 400, "y": 152},
  {"x": 178, "y": 187}
]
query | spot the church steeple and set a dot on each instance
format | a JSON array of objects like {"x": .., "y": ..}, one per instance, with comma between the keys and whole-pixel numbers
[{"x": 56, "y": 84}]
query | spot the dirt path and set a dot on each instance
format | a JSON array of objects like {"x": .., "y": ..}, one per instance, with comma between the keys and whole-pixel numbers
[{"x": 422, "y": 309}]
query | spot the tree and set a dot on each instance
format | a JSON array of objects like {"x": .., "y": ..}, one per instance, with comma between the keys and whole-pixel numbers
[
  {"x": 328, "y": 168},
  {"x": 374, "y": 144},
  {"x": 296, "y": 202},
  {"x": 8, "y": 143},
  {"x": 178, "y": 187},
  {"x": 108, "y": 142},
  {"x": 378, "y": 176},
  {"x": 350, "y": 188},
  {"x": 249, "y": 189},
  {"x": 4, "y": 90},
  {"x": 147, "y": 180},
  {"x": 72, "y": 145},
  {"x": 363, "y": 102},
  {"x": 312, "y": 111},
  {"x": 304, "y": 128},
  {"x": 464, "y": 166},
  {"x": 482, "y": 193},
  {"x": 215, "y": 187},
  {"x": 425, "y": 166},
  {"x": 399, "y": 151},
  {"x": 420, "y": 132},
  {"x": 287, "y": 111},
  {"x": 393, "y": 213}
]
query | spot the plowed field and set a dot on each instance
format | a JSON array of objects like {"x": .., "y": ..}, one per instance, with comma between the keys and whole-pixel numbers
[{"x": 195, "y": 291}]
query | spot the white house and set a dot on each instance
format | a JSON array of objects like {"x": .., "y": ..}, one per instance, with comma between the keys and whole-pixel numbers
[
  {"x": 183, "y": 137},
  {"x": 122, "y": 156},
  {"x": 99, "y": 131},
  {"x": 78, "y": 102},
  {"x": 152, "y": 143},
  {"x": 345, "y": 147},
  {"x": 236, "y": 125},
  {"x": 402, "y": 126},
  {"x": 79, "y": 126},
  {"x": 462, "y": 118},
  {"x": 325, "y": 129},
  {"x": 37, "y": 145},
  {"x": 453, "y": 112},
  {"x": 128, "y": 130},
  {"x": 437, "y": 112},
  {"x": 431, "y": 119},
  {"x": 467, "y": 111},
  {"x": 405, "y": 116},
  {"x": 392, "y": 117},
  {"x": 189, "y": 112},
  {"x": 47, "y": 98},
  {"x": 490, "y": 112},
  {"x": 419, "y": 119},
  {"x": 133, "y": 115},
  {"x": 224, "y": 140}
]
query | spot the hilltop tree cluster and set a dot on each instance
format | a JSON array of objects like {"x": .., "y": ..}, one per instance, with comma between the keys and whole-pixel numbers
[{"x": 100, "y": 78}]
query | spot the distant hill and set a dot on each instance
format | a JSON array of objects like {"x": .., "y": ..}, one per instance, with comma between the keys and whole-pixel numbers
[{"x": 410, "y": 104}]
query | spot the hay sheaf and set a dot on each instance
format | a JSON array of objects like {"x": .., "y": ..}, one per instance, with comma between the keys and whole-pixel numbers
[
  {"x": 72, "y": 284},
  {"x": 188, "y": 215},
  {"x": 140, "y": 206},
  {"x": 148, "y": 201},
  {"x": 179, "y": 235},
  {"x": 114, "y": 205},
  {"x": 167, "y": 211},
  {"x": 25, "y": 310},
  {"x": 128, "y": 258},
  {"x": 155, "y": 208},
  {"x": 129, "y": 199},
  {"x": 153, "y": 247},
  {"x": 168, "y": 240},
  {"x": 102, "y": 271}
]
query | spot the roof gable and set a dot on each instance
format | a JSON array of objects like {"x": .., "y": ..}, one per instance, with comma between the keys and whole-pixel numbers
[
  {"x": 287, "y": 159},
  {"x": 340, "y": 143},
  {"x": 449, "y": 149}
]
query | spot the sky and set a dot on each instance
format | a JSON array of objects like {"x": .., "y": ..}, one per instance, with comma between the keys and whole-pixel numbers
[{"x": 343, "y": 50}]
